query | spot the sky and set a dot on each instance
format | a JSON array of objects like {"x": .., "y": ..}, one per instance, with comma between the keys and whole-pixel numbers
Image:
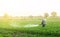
[{"x": 29, "y": 7}]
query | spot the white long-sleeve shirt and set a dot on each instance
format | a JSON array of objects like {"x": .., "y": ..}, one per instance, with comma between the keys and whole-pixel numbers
[{"x": 43, "y": 21}]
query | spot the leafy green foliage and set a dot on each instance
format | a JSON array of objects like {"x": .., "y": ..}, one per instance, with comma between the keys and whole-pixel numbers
[{"x": 52, "y": 28}]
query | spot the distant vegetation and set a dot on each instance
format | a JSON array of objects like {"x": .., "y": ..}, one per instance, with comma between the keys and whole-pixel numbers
[{"x": 46, "y": 14}]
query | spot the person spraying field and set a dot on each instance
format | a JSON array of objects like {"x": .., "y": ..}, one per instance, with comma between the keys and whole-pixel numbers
[{"x": 43, "y": 22}]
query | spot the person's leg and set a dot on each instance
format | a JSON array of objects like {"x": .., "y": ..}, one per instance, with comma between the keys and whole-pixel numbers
[{"x": 43, "y": 25}]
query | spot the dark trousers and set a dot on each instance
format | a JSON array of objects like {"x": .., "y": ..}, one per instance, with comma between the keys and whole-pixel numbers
[{"x": 43, "y": 25}]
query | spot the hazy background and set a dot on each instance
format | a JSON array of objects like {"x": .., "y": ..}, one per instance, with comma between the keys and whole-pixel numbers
[{"x": 29, "y": 7}]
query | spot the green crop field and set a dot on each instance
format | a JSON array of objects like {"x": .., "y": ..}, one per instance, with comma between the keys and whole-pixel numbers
[{"x": 30, "y": 28}]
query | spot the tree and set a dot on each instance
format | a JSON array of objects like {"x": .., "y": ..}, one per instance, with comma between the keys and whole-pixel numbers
[
  {"x": 30, "y": 17},
  {"x": 6, "y": 15},
  {"x": 46, "y": 15},
  {"x": 53, "y": 14}
]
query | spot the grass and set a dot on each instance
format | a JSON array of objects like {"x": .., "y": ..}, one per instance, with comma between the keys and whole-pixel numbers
[{"x": 52, "y": 28}]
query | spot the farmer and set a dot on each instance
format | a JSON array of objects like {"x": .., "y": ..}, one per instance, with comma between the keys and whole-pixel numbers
[{"x": 43, "y": 22}]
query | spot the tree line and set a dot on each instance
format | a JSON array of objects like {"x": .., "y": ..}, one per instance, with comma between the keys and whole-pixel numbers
[{"x": 53, "y": 14}]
